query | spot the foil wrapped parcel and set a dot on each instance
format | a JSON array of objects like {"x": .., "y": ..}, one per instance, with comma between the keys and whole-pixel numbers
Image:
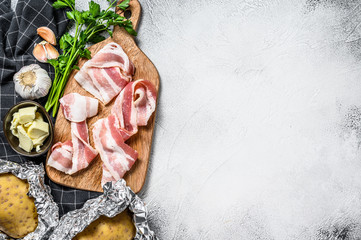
[
  {"x": 117, "y": 197},
  {"x": 48, "y": 211}
]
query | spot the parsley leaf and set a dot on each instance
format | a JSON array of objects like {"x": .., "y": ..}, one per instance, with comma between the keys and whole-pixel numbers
[
  {"x": 70, "y": 15},
  {"x": 124, "y": 4},
  {"x": 94, "y": 8},
  {"x": 85, "y": 54},
  {"x": 66, "y": 41},
  {"x": 96, "y": 38},
  {"x": 60, "y": 4},
  {"x": 78, "y": 17},
  {"x": 53, "y": 62},
  {"x": 76, "y": 67}
]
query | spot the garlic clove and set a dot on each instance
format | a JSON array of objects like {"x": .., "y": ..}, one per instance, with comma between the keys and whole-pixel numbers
[
  {"x": 47, "y": 34},
  {"x": 40, "y": 53},
  {"x": 44, "y": 51},
  {"x": 51, "y": 51}
]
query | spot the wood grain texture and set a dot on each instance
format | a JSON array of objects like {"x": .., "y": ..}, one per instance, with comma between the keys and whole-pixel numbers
[{"x": 89, "y": 178}]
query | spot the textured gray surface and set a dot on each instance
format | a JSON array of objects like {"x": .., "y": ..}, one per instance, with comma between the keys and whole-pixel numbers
[{"x": 258, "y": 125}]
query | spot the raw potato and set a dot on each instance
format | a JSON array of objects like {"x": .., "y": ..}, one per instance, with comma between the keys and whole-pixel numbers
[
  {"x": 120, "y": 227},
  {"x": 18, "y": 216}
]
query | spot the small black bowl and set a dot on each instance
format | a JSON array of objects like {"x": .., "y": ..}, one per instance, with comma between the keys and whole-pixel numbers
[{"x": 14, "y": 141}]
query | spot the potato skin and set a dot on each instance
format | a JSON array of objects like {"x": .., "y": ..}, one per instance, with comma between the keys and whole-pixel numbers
[
  {"x": 120, "y": 227},
  {"x": 18, "y": 215}
]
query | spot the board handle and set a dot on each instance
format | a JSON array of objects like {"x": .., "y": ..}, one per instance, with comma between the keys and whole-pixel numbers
[{"x": 134, "y": 11}]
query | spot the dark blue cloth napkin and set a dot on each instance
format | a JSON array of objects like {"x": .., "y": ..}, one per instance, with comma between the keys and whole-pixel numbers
[{"x": 17, "y": 38}]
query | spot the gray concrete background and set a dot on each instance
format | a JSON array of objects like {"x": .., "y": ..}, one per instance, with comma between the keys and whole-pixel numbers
[{"x": 258, "y": 122}]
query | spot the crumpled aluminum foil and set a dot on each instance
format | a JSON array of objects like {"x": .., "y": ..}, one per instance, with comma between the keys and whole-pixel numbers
[
  {"x": 48, "y": 211},
  {"x": 116, "y": 198}
]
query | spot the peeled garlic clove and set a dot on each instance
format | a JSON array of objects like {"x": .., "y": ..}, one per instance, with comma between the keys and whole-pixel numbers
[
  {"x": 32, "y": 82},
  {"x": 47, "y": 34},
  {"x": 51, "y": 51},
  {"x": 40, "y": 53}
]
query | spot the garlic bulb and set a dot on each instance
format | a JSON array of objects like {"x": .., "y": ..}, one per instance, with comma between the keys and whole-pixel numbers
[{"x": 32, "y": 82}]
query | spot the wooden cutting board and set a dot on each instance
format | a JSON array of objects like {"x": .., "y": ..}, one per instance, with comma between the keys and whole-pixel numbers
[{"x": 89, "y": 178}]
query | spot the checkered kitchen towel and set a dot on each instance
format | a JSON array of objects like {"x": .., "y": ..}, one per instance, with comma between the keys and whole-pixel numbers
[{"x": 17, "y": 38}]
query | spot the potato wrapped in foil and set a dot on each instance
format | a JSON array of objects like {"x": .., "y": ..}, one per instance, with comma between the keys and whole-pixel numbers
[
  {"x": 107, "y": 217},
  {"x": 27, "y": 210},
  {"x": 18, "y": 215},
  {"x": 119, "y": 227}
]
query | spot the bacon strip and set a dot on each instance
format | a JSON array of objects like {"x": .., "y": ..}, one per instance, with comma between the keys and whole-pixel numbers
[
  {"x": 77, "y": 108},
  {"x": 83, "y": 153},
  {"x": 72, "y": 156},
  {"x": 107, "y": 176},
  {"x": 61, "y": 156},
  {"x": 107, "y": 73},
  {"x": 117, "y": 156},
  {"x": 134, "y": 106}
]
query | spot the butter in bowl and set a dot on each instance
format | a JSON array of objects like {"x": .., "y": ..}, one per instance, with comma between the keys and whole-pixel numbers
[{"x": 28, "y": 129}]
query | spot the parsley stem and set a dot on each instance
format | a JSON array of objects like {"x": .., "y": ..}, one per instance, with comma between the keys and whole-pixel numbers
[{"x": 63, "y": 81}]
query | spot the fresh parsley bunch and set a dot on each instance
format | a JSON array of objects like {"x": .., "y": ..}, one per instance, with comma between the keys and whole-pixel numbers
[{"x": 88, "y": 28}]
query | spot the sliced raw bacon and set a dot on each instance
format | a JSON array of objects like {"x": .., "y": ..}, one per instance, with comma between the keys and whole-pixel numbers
[
  {"x": 107, "y": 73},
  {"x": 61, "y": 156},
  {"x": 134, "y": 106},
  {"x": 112, "y": 55},
  {"x": 116, "y": 155},
  {"x": 107, "y": 176},
  {"x": 78, "y": 108},
  {"x": 72, "y": 156},
  {"x": 83, "y": 153}
]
